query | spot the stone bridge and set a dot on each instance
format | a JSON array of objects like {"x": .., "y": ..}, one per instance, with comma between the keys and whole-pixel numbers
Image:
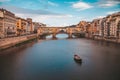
[{"x": 43, "y": 31}]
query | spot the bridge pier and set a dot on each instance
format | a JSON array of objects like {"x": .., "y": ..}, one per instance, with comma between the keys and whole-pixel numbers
[
  {"x": 54, "y": 36},
  {"x": 42, "y": 37},
  {"x": 70, "y": 36}
]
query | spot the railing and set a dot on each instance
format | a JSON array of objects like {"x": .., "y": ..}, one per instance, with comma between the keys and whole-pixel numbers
[{"x": 50, "y": 32}]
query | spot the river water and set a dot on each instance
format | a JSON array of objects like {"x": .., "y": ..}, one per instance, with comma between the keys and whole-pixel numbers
[{"x": 53, "y": 60}]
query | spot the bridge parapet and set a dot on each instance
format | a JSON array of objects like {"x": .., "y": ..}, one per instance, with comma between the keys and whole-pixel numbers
[{"x": 58, "y": 30}]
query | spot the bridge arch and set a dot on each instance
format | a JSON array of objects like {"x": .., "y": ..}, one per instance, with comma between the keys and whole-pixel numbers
[
  {"x": 58, "y": 36},
  {"x": 59, "y": 30}
]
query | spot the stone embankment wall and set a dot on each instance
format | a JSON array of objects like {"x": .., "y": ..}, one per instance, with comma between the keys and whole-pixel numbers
[
  {"x": 103, "y": 39},
  {"x": 8, "y": 42},
  {"x": 108, "y": 40}
]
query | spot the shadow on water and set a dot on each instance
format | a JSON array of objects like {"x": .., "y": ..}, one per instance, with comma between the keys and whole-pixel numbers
[
  {"x": 78, "y": 62},
  {"x": 17, "y": 48}
]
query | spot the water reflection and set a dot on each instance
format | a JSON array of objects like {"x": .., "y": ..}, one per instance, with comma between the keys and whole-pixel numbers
[
  {"x": 62, "y": 36},
  {"x": 53, "y": 60},
  {"x": 78, "y": 63},
  {"x": 59, "y": 36}
]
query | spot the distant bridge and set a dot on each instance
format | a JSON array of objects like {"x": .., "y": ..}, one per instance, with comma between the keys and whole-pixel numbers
[{"x": 43, "y": 31}]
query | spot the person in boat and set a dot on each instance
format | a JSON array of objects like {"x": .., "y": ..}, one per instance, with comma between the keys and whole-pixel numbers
[{"x": 76, "y": 57}]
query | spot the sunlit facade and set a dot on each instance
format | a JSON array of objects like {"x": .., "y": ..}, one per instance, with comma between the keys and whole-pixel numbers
[
  {"x": 21, "y": 25},
  {"x": 8, "y": 23}
]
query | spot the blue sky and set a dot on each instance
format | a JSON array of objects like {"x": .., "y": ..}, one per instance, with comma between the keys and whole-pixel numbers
[{"x": 61, "y": 12}]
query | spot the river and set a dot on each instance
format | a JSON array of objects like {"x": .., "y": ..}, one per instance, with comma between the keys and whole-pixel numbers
[{"x": 53, "y": 60}]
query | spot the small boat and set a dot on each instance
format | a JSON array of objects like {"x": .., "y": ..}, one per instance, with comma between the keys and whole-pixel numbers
[{"x": 77, "y": 58}]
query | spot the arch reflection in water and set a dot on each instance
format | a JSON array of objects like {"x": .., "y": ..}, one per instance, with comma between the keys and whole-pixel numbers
[{"x": 59, "y": 36}]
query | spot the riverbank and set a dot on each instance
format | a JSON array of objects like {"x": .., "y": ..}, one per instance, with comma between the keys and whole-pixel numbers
[
  {"x": 105, "y": 39},
  {"x": 9, "y": 42}
]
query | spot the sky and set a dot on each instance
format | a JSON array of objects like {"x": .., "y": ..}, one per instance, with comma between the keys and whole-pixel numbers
[{"x": 60, "y": 13}]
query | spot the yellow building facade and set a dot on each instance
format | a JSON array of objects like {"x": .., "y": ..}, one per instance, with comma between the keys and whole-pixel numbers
[{"x": 21, "y": 25}]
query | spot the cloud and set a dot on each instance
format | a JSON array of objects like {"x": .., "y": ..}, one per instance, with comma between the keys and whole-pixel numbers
[
  {"x": 108, "y": 3},
  {"x": 47, "y": 17},
  {"x": 111, "y": 12},
  {"x": 51, "y": 20},
  {"x": 4, "y": 0},
  {"x": 30, "y": 4},
  {"x": 52, "y": 3},
  {"x": 15, "y": 9},
  {"x": 91, "y": 18},
  {"x": 54, "y": 20},
  {"x": 37, "y": 17},
  {"x": 30, "y": 12},
  {"x": 69, "y": 2},
  {"x": 81, "y": 5},
  {"x": 100, "y": 17}
]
